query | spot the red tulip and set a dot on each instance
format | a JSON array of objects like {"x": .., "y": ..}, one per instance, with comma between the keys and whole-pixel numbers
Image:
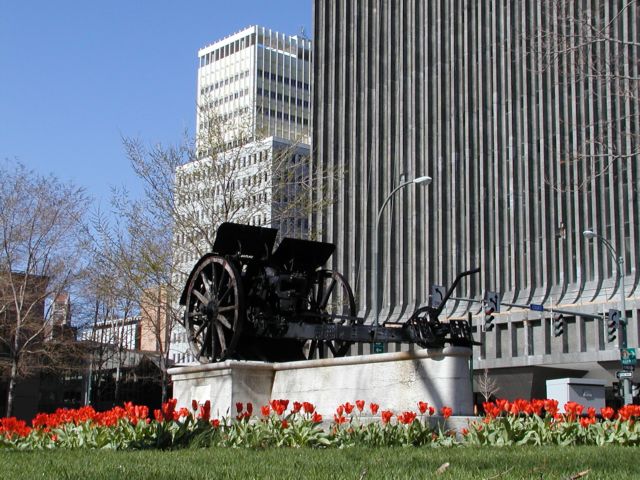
[
  {"x": 157, "y": 414},
  {"x": 446, "y": 412},
  {"x": 339, "y": 419},
  {"x": 551, "y": 407},
  {"x": 407, "y": 417},
  {"x": 386, "y": 416},
  {"x": 607, "y": 413},
  {"x": 205, "y": 411}
]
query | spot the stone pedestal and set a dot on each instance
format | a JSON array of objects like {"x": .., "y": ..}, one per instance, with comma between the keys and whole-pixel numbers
[
  {"x": 223, "y": 384},
  {"x": 395, "y": 381}
]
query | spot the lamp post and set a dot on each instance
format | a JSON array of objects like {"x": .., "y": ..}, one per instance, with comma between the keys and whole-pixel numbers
[
  {"x": 622, "y": 341},
  {"x": 426, "y": 180}
]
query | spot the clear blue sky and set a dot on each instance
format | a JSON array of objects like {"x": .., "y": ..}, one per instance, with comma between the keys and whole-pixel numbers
[{"x": 76, "y": 76}]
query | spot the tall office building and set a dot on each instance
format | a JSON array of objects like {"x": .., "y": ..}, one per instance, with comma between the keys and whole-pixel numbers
[
  {"x": 259, "y": 80},
  {"x": 254, "y": 104},
  {"x": 526, "y": 152}
]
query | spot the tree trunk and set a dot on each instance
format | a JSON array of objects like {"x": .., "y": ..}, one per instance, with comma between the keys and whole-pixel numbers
[
  {"x": 163, "y": 343},
  {"x": 163, "y": 373},
  {"x": 116, "y": 394},
  {"x": 15, "y": 358},
  {"x": 12, "y": 386},
  {"x": 119, "y": 341}
]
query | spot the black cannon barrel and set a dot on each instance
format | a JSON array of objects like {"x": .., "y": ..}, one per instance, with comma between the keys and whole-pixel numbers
[
  {"x": 232, "y": 238},
  {"x": 453, "y": 287},
  {"x": 303, "y": 255}
]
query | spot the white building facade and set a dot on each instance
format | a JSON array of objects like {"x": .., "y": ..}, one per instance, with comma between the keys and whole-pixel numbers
[{"x": 119, "y": 332}]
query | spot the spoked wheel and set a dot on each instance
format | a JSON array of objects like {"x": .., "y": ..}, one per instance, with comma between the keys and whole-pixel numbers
[
  {"x": 215, "y": 310},
  {"x": 331, "y": 296}
]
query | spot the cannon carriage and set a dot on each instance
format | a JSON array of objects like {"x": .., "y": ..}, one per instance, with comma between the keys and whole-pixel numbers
[{"x": 247, "y": 300}]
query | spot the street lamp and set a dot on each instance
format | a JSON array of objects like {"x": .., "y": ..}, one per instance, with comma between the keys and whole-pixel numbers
[
  {"x": 426, "y": 180},
  {"x": 590, "y": 235}
]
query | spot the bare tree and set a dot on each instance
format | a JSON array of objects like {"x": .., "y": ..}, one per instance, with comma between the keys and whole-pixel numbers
[
  {"x": 487, "y": 385},
  {"x": 136, "y": 253},
  {"x": 111, "y": 337},
  {"x": 591, "y": 51},
  {"x": 98, "y": 312},
  {"x": 42, "y": 235}
]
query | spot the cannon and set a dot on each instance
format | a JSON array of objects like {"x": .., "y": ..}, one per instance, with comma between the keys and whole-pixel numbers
[{"x": 247, "y": 300}]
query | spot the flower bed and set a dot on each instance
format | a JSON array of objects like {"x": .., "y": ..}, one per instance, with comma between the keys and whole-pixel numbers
[
  {"x": 297, "y": 424},
  {"x": 539, "y": 422}
]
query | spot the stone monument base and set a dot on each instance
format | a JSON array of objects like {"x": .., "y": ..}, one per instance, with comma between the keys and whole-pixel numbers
[{"x": 395, "y": 381}]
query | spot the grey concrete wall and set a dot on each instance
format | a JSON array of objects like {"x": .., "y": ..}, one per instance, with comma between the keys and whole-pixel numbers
[{"x": 456, "y": 90}]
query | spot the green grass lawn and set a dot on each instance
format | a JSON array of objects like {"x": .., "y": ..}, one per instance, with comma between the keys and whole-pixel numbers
[{"x": 354, "y": 463}]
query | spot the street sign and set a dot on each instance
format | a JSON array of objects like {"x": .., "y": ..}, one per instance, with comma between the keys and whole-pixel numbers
[
  {"x": 628, "y": 356},
  {"x": 378, "y": 347},
  {"x": 536, "y": 307},
  {"x": 624, "y": 374}
]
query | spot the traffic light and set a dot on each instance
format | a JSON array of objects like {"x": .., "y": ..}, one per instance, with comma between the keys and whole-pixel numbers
[
  {"x": 436, "y": 295},
  {"x": 612, "y": 324},
  {"x": 558, "y": 326},
  {"x": 491, "y": 306}
]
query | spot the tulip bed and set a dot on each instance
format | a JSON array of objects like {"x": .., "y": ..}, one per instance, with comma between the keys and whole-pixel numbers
[{"x": 297, "y": 424}]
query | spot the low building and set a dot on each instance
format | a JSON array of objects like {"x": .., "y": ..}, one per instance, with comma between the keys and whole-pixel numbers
[{"x": 122, "y": 332}]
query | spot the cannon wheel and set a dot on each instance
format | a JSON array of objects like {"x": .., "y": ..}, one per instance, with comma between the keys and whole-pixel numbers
[
  {"x": 215, "y": 310},
  {"x": 331, "y": 295}
]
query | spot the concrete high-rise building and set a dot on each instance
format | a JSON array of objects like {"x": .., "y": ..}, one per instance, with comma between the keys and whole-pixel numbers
[
  {"x": 252, "y": 124},
  {"x": 260, "y": 80},
  {"x": 466, "y": 92}
]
